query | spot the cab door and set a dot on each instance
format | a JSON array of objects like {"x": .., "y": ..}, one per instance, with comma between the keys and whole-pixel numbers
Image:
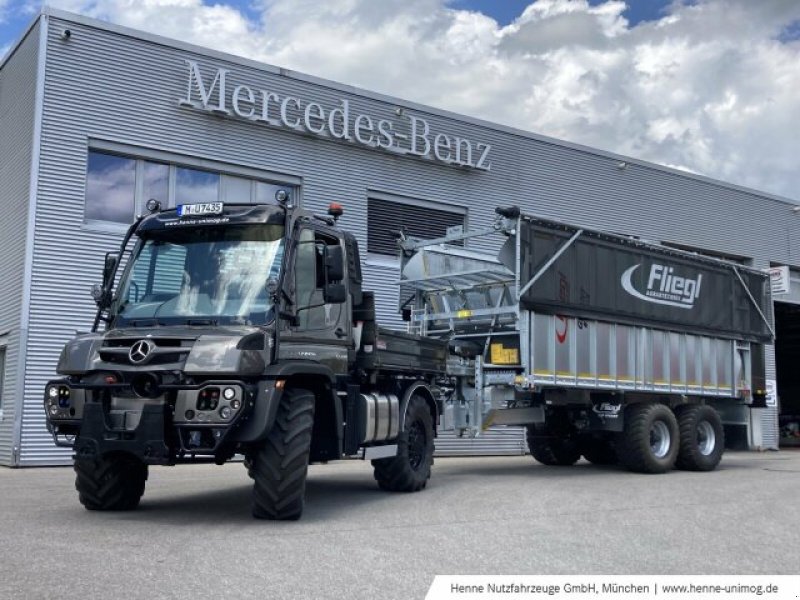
[{"x": 322, "y": 329}]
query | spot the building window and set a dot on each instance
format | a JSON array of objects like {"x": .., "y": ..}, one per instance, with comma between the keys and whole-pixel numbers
[
  {"x": 384, "y": 217},
  {"x": 192, "y": 186},
  {"x": 2, "y": 373},
  {"x": 110, "y": 188},
  {"x": 155, "y": 182},
  {"x": 118, "y": 187}
]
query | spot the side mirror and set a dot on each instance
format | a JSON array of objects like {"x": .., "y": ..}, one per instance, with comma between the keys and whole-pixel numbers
[
  {"x": 334, "y": 263},
  {"x": 112, "y": 260},
  {"x": 272, "y": 287},
  {"x": 100, "y": 296},
  {"x": 334, "y": 293}
]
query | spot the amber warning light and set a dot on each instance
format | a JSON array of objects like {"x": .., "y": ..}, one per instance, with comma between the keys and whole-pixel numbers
[{"x": 335, "y": 210}]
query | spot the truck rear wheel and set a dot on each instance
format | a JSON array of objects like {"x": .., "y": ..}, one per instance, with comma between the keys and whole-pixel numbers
[
  {"x": 110, "y": 482},
  {"x": 410, "y": 470},
  {"x": 555, "y": 451},
  {"x": 702, "y": 438},
  {"x": 280, "y": 466},
  {"x": 649, "y": 441}
]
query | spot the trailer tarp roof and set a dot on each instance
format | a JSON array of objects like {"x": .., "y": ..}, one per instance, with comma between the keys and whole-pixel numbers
[{"x": 621, "y": 279}]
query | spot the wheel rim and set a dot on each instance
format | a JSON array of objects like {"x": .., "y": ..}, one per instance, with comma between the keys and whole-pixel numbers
[
  {"x": 416, "y": 444},
  {"x": 659, "y": 439},
  {"x": 706, "y": 438}
]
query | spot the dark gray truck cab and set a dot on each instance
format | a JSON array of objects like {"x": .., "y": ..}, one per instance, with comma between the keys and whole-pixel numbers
[{"x": 241, "y": 329}]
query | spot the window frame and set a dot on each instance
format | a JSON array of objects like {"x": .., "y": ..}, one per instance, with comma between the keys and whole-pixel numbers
[
  {"x": 173, "y": 161},
  {"x": 3, "y": 366},
  {"x": 101, "y": 223},
  {"x": 380, "y": 259}
]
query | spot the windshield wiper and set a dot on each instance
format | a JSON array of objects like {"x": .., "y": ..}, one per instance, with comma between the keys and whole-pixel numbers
[
  {"x": 191, "y": 322},
  {"x": 148, "y": 322}
]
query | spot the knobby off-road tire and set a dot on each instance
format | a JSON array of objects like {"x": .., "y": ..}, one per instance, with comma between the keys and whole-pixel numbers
[
  {"x": 280, "y": 466},
  {"x": 110, "y": 482},
  {"x": 649, "y": 442},
  {"x": 702, "y": 438},
  {"x": 599, "y": 451},
  {"x": 553, "y": 451},
  {"x": 410, "y": 470}
]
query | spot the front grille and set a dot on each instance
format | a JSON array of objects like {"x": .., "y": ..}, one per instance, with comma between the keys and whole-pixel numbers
[{"x": 163, "y": 351}]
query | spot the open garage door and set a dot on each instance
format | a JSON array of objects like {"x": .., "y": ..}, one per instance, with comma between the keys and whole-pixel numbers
[{"x": 787, "y": 364}]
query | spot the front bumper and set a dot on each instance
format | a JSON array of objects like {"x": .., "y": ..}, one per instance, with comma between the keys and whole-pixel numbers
[{"x": 183, "y": 421}]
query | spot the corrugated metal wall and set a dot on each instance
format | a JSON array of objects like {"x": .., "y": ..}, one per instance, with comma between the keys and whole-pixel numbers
[
  {"x": 17, "y": 102},
  {"x": 495, "y": 440},
  {"x": 91, "y": 94},
  {"x": 769, "y": 427}
]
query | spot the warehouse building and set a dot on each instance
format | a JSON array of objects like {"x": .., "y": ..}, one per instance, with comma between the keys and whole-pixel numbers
[{"x": 96, "y": 119}]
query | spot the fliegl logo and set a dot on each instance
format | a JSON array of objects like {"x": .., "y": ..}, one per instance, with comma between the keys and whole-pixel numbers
[{"x": 664, "y": 287}]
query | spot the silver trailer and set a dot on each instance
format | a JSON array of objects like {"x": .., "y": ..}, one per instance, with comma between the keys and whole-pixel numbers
[{"x": 602, "y": 345}]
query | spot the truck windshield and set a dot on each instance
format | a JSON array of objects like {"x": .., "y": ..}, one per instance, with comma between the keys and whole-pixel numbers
[{"x": 201, "y": 277}]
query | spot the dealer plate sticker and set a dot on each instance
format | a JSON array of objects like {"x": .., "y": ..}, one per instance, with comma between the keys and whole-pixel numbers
[{"x": 194, "y": 210}]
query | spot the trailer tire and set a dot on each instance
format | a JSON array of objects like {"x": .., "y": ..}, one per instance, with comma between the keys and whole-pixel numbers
[
  {"x": 702, "y": 438},
  {"x": 550, "y": 450},
  {"x": 110, "y": 482},
  {"x": 599, "y": 451},
  {"x": 280, "y": 466},
  {"x": 410, "y": 469},
  {"x": 649, "y": 442}
]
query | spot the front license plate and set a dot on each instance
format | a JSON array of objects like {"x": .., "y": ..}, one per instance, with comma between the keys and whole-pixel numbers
[{"x": 193, "y": 210}]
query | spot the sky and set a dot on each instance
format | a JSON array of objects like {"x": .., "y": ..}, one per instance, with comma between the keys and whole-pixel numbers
[{"x": 705, "y": 86}]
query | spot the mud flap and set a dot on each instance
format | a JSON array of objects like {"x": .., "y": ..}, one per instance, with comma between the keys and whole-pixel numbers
[{"x": 607, "y": 415}]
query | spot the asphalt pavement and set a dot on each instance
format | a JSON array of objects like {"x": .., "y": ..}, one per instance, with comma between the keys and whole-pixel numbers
[{"x": 193, "y": 536}]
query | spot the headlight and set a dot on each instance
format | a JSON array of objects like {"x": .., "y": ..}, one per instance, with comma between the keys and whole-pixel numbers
[
  {"x": 225, "y": 412},
  {"x": 229, "y": 393},
  {"x": 63, "y": 396},
  {"x": 52, "y": 392}
]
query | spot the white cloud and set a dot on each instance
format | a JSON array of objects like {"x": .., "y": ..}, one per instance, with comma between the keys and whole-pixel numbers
[{"x": 708, "y": 88}]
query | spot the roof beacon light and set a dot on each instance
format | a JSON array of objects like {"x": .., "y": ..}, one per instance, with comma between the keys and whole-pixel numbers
[
  {"x": 153, "y": 205},
  {"x": 335, "y": 210}
]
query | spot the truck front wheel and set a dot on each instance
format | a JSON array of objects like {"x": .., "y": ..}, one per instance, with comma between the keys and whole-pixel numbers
[
  {"x": 649, "y": 441},
  {"x": 702, "y": 438},
  {"x": 410, "y": 470},
  {"x": 279, "y": 467},
  {"x": 110, "y": 482}
]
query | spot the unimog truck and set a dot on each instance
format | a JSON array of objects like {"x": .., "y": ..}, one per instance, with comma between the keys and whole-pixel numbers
[{"x": 243, "y": 330}]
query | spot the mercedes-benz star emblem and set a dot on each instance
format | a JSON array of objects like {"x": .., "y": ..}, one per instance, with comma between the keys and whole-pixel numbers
[{"x": 140, "y": 351}]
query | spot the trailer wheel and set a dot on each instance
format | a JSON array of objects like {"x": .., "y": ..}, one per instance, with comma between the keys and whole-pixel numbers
[
  {"x": 279, "y": 467},
  {"x": 649, "y": 441},
  {"x": 702, "y": 438},
  {"x": 410, "y": 470},
  {"x": 552, "y": 451},
  {"x": 110, "y": 482},
  {"x": 599, "y": 451}
]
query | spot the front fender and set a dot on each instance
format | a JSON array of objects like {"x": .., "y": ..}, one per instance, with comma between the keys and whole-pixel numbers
[{"x": 270, "y": 393}]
